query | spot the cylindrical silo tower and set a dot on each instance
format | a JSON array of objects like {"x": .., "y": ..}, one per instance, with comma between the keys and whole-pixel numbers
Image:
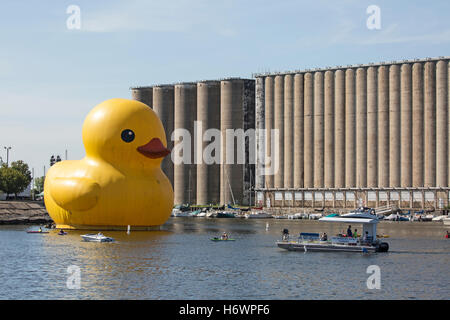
[
  {"x": 383, "y": 126},
  {"x": 350, "y": 129},
  {"x": 417, "y": 126},
  {"x": 269, "y": 124},
  {"x": 430, "y": 124},
  {"x": 442, "y": 124},
  {"x": 231, "y": 118},
  {"x": 406, "y": 126},
  {"x": 339, "y": 136},
  {"x": 184, "y": 169},
  {"x": 163, "y": 105},
  {"x": 288, "y": 131},
  {"x": 329, "y": 134},
  {"x": 208, "y": 119},
  {"x": 260, "y": 131},
  {"x": 279, "y": 126},
  {"x": 309, "y": 132},
  {"x": 361, "y": 128},
  {"x": 298, "y": 131},
  {"x": 372, "y": 128},
  {"x": 394, "y": 126},
  {"x": 318, "y": 130},
  {"x": 143, "y": 94}
]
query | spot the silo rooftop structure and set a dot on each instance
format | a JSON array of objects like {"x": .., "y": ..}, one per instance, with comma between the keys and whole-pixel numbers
[{"x": 372, "y": 134}]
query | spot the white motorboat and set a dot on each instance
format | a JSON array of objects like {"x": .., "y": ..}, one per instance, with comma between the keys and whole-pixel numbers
[
  {"x": 281, "y": 216},
  {"x": 313, "y": 242},
  {"x": 439, "y": 218},
  {"x": 98, "y": 237},
  {"x": 183, "y": 214},
  {"x": 211, "y": 214},
  {"x": 201, "y": 214},
  {"x": 258, "y": 215},
  {"x": 446, "y": 221},
  {"x": 315, "y": 216}
]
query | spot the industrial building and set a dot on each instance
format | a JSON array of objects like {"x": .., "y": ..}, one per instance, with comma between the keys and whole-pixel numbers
[
  {"x": 215, "y": 104},
  {"x": 375, "y": 134}
]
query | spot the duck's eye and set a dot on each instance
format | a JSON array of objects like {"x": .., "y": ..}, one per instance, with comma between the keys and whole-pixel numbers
[{"x": 127, "y": 135}]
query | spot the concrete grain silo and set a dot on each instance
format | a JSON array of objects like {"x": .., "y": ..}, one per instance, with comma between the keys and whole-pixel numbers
[
  {"x": 383, "y": 126},
  {"x": 288, "y": 131},
  {"x": 185, "y": 172},
  {"x": 279, "y": 127},
  {"x": 372, "y": 128},
  {"x": 339, "y": 135},
  {"x": 394, "y": 125},
  {"x": 309, "y": 132},
  {"x": 298, "y": 131},
  {"x": 143, "y": 94},
  {"x": 237, "y": 103},
  {"x": 208, "y": 117},
  {"x": 350, "y": 129},
  {"x": 406, "y": 126},
  {"x": 318, "y": 115},
  {"x": 163, "y": 105},
  {"x": 269, "y": 125}
]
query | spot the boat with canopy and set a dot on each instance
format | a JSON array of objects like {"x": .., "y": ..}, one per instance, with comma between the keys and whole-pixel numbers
[{"x": 314, "y": 242}]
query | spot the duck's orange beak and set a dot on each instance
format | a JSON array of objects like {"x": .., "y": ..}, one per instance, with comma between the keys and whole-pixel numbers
[{"x": 154, "y": 149}]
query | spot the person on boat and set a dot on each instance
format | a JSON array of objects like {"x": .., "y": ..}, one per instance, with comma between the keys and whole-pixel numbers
[
  {"x": 366, "y": 237},
  {"x": 40, "y": 229},
  {"x": 324, "y": 237},
  {"x": 61, "y": 231},
  {"x": 224, "y": 236},
  {"x": 447, "y": 236},
  {"x": 355, "y": 235},
  {"x": 285, "y": 234},
  {"x": 349, "y": 232}
]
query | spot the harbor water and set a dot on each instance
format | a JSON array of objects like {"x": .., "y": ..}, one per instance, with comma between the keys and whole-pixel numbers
[{"x": 180, "y": 262}]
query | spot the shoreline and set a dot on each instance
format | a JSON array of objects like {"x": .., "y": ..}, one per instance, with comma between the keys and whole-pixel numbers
[{"x": 23, "y": 212}]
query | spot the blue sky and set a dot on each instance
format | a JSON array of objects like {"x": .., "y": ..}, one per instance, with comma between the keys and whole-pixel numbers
[{"x": 50, "y": 76}]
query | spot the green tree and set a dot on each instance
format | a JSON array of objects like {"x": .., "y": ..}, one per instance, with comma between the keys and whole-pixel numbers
[
  {"x": 39, "y": 184},
  {"x": 16, "y": 178}
]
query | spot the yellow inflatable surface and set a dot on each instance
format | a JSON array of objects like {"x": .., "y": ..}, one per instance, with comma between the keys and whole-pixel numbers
[{"x": 120, "y": 181}]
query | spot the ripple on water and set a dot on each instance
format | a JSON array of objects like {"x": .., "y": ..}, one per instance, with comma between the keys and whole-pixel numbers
[{"x": 181, "y": 262}]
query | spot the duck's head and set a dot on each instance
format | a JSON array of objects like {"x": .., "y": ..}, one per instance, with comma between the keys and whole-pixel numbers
[{"x": 125, "y": 133}]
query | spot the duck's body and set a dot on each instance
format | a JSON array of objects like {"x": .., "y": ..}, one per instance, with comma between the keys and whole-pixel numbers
[{"x": 118, "y": 183}]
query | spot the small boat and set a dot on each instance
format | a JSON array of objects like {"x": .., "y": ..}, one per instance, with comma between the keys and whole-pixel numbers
[
  {"x": 37, "y": 231},
  {"x": 99, "y": 237},
  {"x": 439, "y": 218},
  {"x": 446, "y": 221},
  {"x": 220, "y": 239},
  {"x": 211, "y": 214},
  {"x": 258, "y": 215},
  {"x": 315, "y": 216},
  {"x": 281, "y": 216},
  {"x": 225, "y": 214},
  {"x": 62, "y": 233},
  {"x": 201, "y": 214},
  {"x": 184, "y": 213}
]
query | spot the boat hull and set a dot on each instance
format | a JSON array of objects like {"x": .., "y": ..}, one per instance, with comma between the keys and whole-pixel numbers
[
  {"x": 89, "y": 238},
  {"x": 317, "y": 247}
]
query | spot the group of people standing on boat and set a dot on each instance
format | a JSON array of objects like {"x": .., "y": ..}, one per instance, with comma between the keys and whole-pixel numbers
[{"x": 351, "y": 234}]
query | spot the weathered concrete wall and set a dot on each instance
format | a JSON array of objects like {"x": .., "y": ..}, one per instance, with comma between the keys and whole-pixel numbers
[{"x": 143, "y": 94}]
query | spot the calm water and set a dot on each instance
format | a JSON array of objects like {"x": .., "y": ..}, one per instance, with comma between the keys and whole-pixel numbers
[{"x": 181, "y": 262}]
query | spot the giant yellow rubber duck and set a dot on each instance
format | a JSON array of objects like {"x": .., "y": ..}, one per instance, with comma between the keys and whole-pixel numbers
[{"x": 120, "y": 181}]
